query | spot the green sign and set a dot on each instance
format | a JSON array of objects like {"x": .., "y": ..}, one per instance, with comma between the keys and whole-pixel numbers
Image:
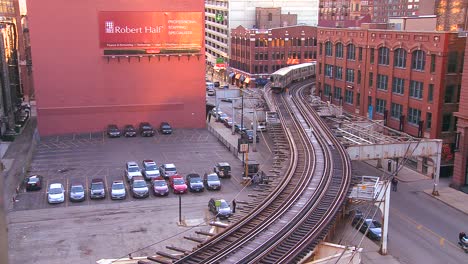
[
  {"x": 217, "y": 203},
  {"x": 219, "y": 17},
  {"x": 219, "y": 60}
]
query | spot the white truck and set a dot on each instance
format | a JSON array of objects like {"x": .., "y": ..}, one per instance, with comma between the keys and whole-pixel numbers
[{"x": 261, "y": 121}]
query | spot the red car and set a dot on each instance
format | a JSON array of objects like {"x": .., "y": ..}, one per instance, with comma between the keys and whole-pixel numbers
[
  {"x": 33, "y": 183},
  {"x": 177, "y": 184}
]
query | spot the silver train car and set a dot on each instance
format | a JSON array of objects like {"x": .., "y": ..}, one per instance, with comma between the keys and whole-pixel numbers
[{"x": 282, "y": 78}]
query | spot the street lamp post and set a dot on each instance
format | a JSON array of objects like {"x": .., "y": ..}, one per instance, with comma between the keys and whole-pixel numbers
[{"x": 242, "y": 122}]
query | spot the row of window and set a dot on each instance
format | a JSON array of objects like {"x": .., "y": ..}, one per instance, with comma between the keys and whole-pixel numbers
[
  {"x": 276, "y": 42},
  {"x": 418, "y": 58}
]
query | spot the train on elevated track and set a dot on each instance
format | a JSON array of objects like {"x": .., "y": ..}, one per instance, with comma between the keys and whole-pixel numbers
[{"x": 284, "y": 77}]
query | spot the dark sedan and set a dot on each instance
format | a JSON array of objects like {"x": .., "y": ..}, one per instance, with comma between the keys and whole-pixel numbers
[
  {"x": 165, "y": 128},
  {"x": 113, "y": 131},
  {"x": 375, "y": 228},
  {"x": 146, "y": 130},
  {"x": 130, "y": 131},
  {"x": 33, "y": 183}
]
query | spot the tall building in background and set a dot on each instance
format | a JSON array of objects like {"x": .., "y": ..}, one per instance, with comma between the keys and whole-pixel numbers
[
  {"x": 221, "y": 16},
  {"x": 343, "y": 13},
  {"x": 452, "y": 15}
]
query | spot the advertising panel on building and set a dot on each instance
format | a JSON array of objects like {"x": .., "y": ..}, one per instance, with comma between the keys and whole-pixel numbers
[{"x": 150, "y": 32}]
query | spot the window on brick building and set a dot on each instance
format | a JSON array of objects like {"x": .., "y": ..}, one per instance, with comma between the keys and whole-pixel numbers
[
  {"x": 384, "y": 54},
  {"x": 418, "y": 60},
  {"x": 414, "y": 115},
  {"x": 448, "y": 96},
  {"x": 359, "y": 77},
  {"x": 399, "y": 60},
  {"x": 446, "y": 120},
  {"x": 351, "y": 52},
  {"x": 320, "y": 48},
  {"x": 360, "y": 54},
  {"x": 371, "y": 79},
  {"x": 329, "y": 70},
  {"x": 337, "y": 92},
  {"x": 380, "y": 105},
  {"x": 339, "y": 73},
  {"x": 398, "y": 85},
  {"x": 452, "y": 62},
  {"x": 327, "y": 89},
  {"x": 416, "y": 89},
  {"x": 458, "y": 93},
  {"x": 396, "y": 111},
  {"x": 430, "y": 93},
  {"x": 320, "y": 68},
  {"x": 328, "y": 49},
  {"x": 350, "y": 75},
  {"x": 270, "y": 17},
  {"x": 339, "y": 50},
  {"x": 428, "y": 121},
  {"x": 349, "y": 95},
  {"x": 372, "y": 55},
  {"x": 382, "y": 82},
  {"x": 433, "y": 62}
]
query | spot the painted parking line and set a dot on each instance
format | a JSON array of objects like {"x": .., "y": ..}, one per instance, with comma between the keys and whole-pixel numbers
[
  {"x": 419, "y": 226},
  {"x": 66, "y": 188}
]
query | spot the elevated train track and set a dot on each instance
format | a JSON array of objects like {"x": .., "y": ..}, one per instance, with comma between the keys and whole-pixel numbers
[{"x": 296, "y": 215}]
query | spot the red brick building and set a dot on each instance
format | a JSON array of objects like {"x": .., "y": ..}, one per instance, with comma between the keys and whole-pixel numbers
[
  {"x": 460, "y": 174},
  {"x": 97, "y": 62},
  {"x": 411, "y": 80},
  {"x": 255, "y": 54}
]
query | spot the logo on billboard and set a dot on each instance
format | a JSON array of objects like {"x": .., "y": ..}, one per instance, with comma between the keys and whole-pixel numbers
[{"x": 109, "y": 26}]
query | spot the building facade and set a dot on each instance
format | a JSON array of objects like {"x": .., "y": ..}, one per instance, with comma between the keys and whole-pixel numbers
[
  {"x": 411, "y": 80},
  {"x": 108, "y": 63},
  {"x": 460, "y": 174},
  {"x": 255, "y": 54},
  {"x": 221, "y": 16},
  {"x": 343, "y": 13}
]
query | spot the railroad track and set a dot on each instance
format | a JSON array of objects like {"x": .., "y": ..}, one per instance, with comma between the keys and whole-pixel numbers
[{"x": 296, "y": 215}]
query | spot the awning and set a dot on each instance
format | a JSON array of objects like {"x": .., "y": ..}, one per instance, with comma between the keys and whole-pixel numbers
[
  {"x": 247, "y": 80},
  {"x": 242, "y": 78},
  {"x": 231, "y": 75},
  {"x": 238, "y": 76}
]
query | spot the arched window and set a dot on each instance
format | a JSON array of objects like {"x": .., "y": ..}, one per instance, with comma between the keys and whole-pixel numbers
[
  {"x": 328, "y": 49},
  {"x": 351, "y": 52},
  {"x": 384, "y": 58},
  {"x": 270, "y": 17},
  {"x": 418, "y": 60},
  {"x": 399, "y": 59},
  {"x": 339, "y": 50}
]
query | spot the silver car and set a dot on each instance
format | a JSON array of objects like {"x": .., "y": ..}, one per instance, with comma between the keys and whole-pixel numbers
[
  {"x": 212, "y": 181},
  {"x": 77, "y": 192},
  {"x": 118, "y": 191}
]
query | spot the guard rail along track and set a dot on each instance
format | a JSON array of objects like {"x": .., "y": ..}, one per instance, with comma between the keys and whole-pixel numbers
[{"x": 296, "y": 215}]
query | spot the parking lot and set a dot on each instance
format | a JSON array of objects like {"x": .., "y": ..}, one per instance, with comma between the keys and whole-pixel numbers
[{"x": 80, "y": 158}]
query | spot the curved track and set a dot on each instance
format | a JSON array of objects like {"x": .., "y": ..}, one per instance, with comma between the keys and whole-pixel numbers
[{"x": 296, "y": 215}]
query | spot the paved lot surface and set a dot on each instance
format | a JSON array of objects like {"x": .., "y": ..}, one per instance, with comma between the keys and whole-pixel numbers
[{"x": 94, "y": 229}]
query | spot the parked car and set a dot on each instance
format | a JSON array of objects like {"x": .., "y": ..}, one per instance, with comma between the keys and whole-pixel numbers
[
  {"x": 211, "y": 92},
  {"x": 165, "y": 128},
  {"x": 215, "y": 112},
  {"x": 250, "y": 135},
  {"x": 226, "y": 99},
  {"x": 159, "y": 186},
  {"x": 225, "y": 86},
  {"x": 216, "y": 84},
  {"x": 130, "y": 131},
  {"x": 97, "y": 189},
  {"x": 146, "y": 130},
  {"x": 227, "y": 122},
  {"x": 33, "y": 182},
  {"x": 77, "y": 192},
  {"x": 118, "y": 191},
  {"x": 150, "y": 170},
  {"x": 168, "y": 170},
  {"x": 375, "y": 228},
  {"x": 220, "y": 208},
  {"x": 56, "y": 193},
  {"x": 212, "y": 181},
  {"x": 221, "y": 117},
  {"x": 222, "y": 169},
  {"x": 113, "y": 131},
  {"x": 195, "y": 182},
  {"x": 139, "y": 187},
  {"x": 132, "y": 170},
  {"x": 177, "y": 184},
  {"x": 238, "y": 128}
]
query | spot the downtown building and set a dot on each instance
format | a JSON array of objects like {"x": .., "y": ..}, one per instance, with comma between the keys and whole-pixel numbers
[
  {"x": 255, "y": 54},
  {"x": 409, "y": 79},
  {"x": 223, "y": 16},
  {"x": 117, "y": 62}
]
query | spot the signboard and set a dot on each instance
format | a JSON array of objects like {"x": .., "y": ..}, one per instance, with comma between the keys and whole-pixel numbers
[
  {"x": 122, "y": 32},
  {"x": 219, "y": 17}
]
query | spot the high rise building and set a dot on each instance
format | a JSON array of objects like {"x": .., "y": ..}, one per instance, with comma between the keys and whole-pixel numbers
[{"x": 221, "y": 16}]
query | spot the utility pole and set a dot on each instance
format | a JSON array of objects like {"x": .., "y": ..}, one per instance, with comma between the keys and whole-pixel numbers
[
  {"x": 3, "y": 223},
  {"x": 242, "y": 121}
]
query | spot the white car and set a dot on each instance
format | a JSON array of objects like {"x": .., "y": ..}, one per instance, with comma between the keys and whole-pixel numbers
[
  {"x": 56, "y": 193},
  {"x": 132, "y": 170},
  {"x": 150, "y": 169},
  {"x": 118, "y": 190},
  {"x": 168, "y": 170}
]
